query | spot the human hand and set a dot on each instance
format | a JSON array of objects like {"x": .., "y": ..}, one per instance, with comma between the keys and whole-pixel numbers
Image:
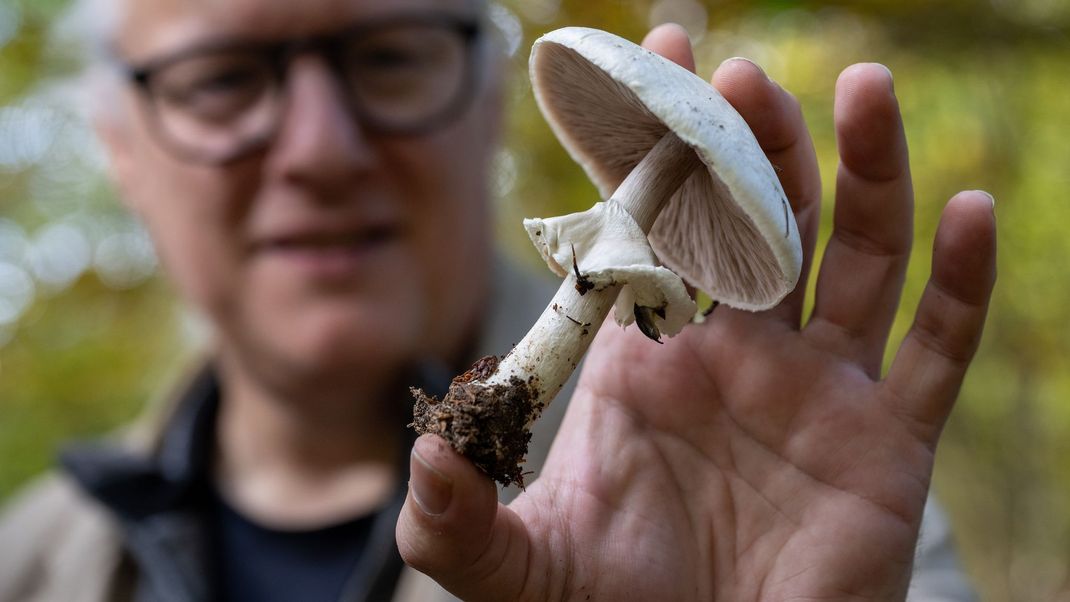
[{"x": 750, "y": 457}]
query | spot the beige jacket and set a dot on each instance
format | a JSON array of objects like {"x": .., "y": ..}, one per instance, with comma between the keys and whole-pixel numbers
[{"x": 59, "y": 544}]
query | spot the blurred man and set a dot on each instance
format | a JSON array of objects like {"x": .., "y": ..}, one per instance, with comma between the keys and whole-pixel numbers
[{"x": 314, "y": 177}]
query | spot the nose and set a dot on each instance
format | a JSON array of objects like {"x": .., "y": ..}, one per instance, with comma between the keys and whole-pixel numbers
[{"x": 319, "y": 144}]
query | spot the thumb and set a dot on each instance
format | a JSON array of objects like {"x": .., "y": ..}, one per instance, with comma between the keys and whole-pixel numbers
[{"x": 453, "y": 529}]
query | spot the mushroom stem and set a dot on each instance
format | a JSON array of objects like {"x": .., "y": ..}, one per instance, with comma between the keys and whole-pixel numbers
[
  {"x": 655, "y": 179},
  {"x": 552, "y": 349}
]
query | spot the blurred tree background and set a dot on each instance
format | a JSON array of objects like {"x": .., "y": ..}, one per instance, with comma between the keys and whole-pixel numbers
[{"x": 89, "y": 332}]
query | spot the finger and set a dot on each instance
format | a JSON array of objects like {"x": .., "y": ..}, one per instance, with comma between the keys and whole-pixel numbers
[
  {"x": 670, "y": 41},
  {"x": 453, "y": 529},
  {"x": 931, "y": 363},
  {"x": 865, "y": 262},
  {"x": 777, "y": 121}
]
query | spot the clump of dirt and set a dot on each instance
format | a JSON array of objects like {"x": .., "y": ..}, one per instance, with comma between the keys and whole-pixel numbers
[{"x": 485, "y": 423}]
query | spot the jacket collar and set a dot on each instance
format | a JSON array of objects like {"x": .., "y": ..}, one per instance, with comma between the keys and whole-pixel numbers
[
  {"x": 153, "y": 495},
  {"x": 136, "y": 485}
]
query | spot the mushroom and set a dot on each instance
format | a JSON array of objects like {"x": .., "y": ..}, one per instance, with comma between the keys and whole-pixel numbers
[{"x": 673, "y": 159}]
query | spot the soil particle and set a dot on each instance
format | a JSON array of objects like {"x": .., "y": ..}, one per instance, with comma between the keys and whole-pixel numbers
[
  {"x": 484, "y": 423},
  {"x": 583, "y": 284},
  {"x": 483, "y": 369}
]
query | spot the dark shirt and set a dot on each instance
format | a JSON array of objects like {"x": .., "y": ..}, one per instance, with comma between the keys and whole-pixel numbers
[{"x": 261, "y": 564}]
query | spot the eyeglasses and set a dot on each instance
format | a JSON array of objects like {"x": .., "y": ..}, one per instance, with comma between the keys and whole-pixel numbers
[{"x": 405, "y": 75}]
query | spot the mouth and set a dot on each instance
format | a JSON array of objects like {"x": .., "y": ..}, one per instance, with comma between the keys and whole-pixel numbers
[
  {"x": 331, "y": 255},
  {"x": 314, "y": 242}
]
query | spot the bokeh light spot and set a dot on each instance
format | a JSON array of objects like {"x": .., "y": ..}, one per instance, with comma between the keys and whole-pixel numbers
[
  {"x": 542, "y": 12},
  {"x": 10, "y": 20},
  {"x": 13, "y": 242},
  {"x": 26, "y": 134},
  {"x": 691, "y": 15},
  {"x": 509, "y": 25},
  {"x": 123, "y": 260},
  {"x": 58, "y": 255},
  {"x": 16, "y": 293}
]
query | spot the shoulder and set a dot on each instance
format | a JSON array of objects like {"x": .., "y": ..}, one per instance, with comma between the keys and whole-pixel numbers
[
  {"x": 53, "y": 537},
  {"x": 43, "y": 513}
]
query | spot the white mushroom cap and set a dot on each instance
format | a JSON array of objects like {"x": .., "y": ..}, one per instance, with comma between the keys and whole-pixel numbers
[{"x": 729, "y": 230}]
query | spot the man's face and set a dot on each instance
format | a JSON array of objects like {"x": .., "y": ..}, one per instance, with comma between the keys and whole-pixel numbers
[{"x": 336, "y": 250}]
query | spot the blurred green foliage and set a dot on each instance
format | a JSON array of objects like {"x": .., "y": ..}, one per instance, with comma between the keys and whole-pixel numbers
[{"x": 983, "y": 89}]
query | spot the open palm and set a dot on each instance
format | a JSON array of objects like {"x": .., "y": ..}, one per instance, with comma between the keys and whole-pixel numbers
[{"x": 751, "y": 457}]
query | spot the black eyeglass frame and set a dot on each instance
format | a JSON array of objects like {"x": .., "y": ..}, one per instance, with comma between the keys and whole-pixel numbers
[{"x": 278, "y": 55}]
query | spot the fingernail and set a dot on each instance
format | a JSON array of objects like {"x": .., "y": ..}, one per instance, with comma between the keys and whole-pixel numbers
[
  {"x": 746, "y": 60},
  {"x": 891, "y": 79},
  {"x": 431, "y": 490},
  {"x": 991, "y": 199}
]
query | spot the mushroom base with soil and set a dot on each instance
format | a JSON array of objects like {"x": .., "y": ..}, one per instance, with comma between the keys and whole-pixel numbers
[{"x": 488, "y": 424}]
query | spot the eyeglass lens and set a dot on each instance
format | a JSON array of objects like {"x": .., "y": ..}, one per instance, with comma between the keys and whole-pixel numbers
[
  {"x": 402, "y": 76},
  {"x": 217, "y": 103},
  {"x": 397, "y": 78}
]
